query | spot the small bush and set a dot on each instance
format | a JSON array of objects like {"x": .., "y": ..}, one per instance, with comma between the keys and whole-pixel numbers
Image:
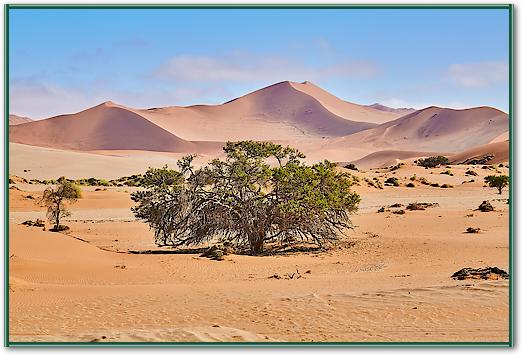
[
  {"x": 59, "y": 228},
  {"x": 396, "y": 167},
  {"x": 472, "y": 173},
  {"x": 433, "y": 162},
  {"x": 399, "y": 212},
  {"x": 420, "y": 206},
  {"x": 351, "y": 166},
  {"x": 414, "y": 177},
  {"x": 447, "y": 172},
  {"x": 396, "y": 205},
  {"x": 380, "y": 210},
  {"x": 37, "y": 223},
  {"x": 392, "y": 181},
  {"x": 446, "y": 186},
  {"x": 410, "y": 184},
  {"x": 486, "y": 206},
  {"x": 472, "y": 230},
  {"x": 434, "y": 185}
]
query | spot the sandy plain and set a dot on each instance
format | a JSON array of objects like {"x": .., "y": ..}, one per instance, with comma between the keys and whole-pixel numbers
[{"x": 389, "y": 279}]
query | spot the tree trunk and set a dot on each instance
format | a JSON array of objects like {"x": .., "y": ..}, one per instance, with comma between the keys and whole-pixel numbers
[{"x": 256, "y": 243}]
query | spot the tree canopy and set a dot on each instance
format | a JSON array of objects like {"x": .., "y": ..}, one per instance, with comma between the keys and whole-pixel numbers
[
  {"x": 497, "y": 181},
  {"x": 260, "y": 192},
  {"x": 54, "y": 199},
  {"x": 433, "y": 162}
]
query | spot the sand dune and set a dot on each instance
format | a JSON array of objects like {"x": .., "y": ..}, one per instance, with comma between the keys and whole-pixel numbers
[
  {"x": 401, "y": 110},
  {"x": 106, "y": 126},
  {"x": 501, "y": 138},
  {"x": 431, "y": 129},
  {"x": 499, "y": 151},
  {"x": 386, "y": 158},
  {"x": 16, "y": 120},
  {"x": 284, "y": 110}
]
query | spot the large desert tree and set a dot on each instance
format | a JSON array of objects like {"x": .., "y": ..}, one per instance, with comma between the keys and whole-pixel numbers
[
  {"x": 54, "y": 198},
  {"x": 260, "y": 192}
]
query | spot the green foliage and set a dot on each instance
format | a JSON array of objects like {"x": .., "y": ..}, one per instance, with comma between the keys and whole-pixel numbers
[
  {"x": 261, "y": 192},
  {"x": 497, "y": 181},
  {"x": 392, "y": 181},
  {"x": 351, "y": 166},
  {"x": 485, "y": 206},
  {"x": 54, "y": 199},
  {"x": 433, "y": 162}
]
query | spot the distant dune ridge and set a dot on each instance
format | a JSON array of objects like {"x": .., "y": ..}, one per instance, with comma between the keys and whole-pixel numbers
[
  {"x": 298, "y": 114},
  {"x": 16, "y": 120},
  {"x": 400, "y": 110}
]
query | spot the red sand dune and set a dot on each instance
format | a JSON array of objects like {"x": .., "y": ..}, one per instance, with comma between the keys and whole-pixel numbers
[
  {"x": 281, "y": 111},
  {"x": 401, "y": 110},
  {"x": 386, "y": 158},
  {"x": 16, "y": 120},
  {"x": 499, "y": 150},
  {"x": 106, "y": 126},
  {"x": 432, "y": 129}
]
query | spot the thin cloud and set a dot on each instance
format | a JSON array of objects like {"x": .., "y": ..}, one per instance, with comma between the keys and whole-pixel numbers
[
  {"x": 479, "y": 75},
  {"x": 242, "y": 67}
]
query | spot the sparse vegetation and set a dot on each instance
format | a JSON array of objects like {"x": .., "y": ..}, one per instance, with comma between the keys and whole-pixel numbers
[
  {"x": 351, "y": 166},
  {"x": 55, "y": 198},
  {"x": 396, "y": 167},
  {"x": 433, "y": 162},
  {"x": 447, "y": 172},
  {"x": 497, "y": 181},
  {"x": 246, "y": 201},
  {"x": 485, "y": 206},
  {"x": 37, "y": 223},
  {"x": 392, "y": 181},
  {"x": 420, "y": 206},
  {"x": 410, "y": 184},
  {"x": 471, "y": 172},
  {"x": 446, "y": 186},
  {"x": 399, "y": 212},
  {"x": 472, "y": 230}
]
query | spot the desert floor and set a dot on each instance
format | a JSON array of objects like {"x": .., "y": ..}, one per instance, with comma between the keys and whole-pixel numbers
[{"x": 388, "y": 280}]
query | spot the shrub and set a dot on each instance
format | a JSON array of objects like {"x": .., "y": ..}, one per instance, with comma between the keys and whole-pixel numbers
[
  {"x": 447, "y": 172},
  {"x": 497, "y": 181},
  {"x": 472, "y": 230},
  {"x": 413, "y": 178},
  {"x": 410, "y": 184},
  {"x": 246, "y": 200},
  {"x": 399, "y": 212},
  {"x": 434, "y": 184},
  {"x": 471, "y": 172},
  {"x": 380, "y": 210},
  {"x": 433, "y": 162},
  {"x": 351, "y": 166},
  {"x": 392, "y": 181},
  {"x": 396, "y": 167},
  {"x": 446, "y": 186},
  {"x": 485, "y": 206}
]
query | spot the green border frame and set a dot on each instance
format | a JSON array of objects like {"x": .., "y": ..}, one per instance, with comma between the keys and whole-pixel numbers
[{"x": 511, "y": 115}]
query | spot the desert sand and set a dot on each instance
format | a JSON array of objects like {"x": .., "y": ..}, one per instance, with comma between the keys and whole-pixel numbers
[{"x": 388, "y": 280}]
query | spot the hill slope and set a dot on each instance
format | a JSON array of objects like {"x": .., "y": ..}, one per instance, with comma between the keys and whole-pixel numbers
[
  {"x": 16, "y": 120},
  {"x": 103, "y": 127}
]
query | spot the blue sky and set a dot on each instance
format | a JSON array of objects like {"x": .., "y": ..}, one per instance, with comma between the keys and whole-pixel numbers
[{"x": 63, "y": 61}]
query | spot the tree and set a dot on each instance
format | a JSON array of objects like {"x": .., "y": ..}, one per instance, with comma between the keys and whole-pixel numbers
[
  {"x": 433, "y": 162},
  {"x": 54, "y": 199},
  {"x": 261, "y": 192},
  {"x": 497, "y": 181}
]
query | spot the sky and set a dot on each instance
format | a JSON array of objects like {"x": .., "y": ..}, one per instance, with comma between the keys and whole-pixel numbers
[{"x": 64, "y": 61}]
